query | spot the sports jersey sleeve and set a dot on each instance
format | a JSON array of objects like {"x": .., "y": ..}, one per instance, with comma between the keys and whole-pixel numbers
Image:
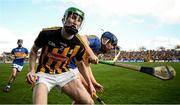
[
  {"x": 94, "y": 43},
  {"x": 26, "y": 51},
  {"x": 41, "y": 39}
]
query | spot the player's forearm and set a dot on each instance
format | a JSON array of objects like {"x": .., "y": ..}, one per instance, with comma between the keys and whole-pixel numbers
[
  {"x": 12, "y": 56},
  {"x": 84, "y": 72},
  {"x": 90, "y": 72},
  {"x": 92, "y": 78},
  {"x": 32, "y": 59}
]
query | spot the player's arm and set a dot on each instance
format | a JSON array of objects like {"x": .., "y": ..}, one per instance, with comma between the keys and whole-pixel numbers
[
  {"x": 83, "y": 70},
  {"x": 93, "y": 58},
  {"x": 32, "y": 62},
  {"x": 26, "y": 54},
  {"x": 38, "y": 43},
  {"x": 12, "y": 56},
  {"x": 97, "y": 86}
]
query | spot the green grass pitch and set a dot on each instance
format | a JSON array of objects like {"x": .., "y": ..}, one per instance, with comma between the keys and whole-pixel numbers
[{"x": 121, "y": 86}]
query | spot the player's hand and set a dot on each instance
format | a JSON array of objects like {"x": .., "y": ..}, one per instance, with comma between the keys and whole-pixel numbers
[
  {"x": 92, "y": 89},
  {"x": 31, "y": 78},
  {"x": 98, "y": 87},
  {"x": 94, "y": 59},
  {"x": 12, "y": 57},
  {"x": 100, "y": 56}
]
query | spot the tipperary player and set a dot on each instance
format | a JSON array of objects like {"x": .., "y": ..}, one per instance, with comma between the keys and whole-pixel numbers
[
  {"x": 18, "y": 54},
  {"x": 94, "y": 47}
]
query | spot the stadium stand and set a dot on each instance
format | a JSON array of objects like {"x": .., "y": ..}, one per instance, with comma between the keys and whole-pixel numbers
[
  {"x": 146, "y": 56},
  {"x": 126, "y": 56}
]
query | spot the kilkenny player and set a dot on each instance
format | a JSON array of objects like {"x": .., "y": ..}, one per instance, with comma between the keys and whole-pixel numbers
[{"x": 58, "y": 46}]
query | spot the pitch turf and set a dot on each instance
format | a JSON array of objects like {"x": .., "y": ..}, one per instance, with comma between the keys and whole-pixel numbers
[{"x": 121, "y": 86}]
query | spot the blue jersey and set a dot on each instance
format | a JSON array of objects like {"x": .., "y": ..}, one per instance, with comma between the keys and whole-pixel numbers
[
  {"x": 19, "y": 53},
  {"x": 95, "y": 45}
]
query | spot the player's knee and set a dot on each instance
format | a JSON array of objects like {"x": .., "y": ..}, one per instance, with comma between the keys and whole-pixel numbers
[{"x": 14, "y": 75}]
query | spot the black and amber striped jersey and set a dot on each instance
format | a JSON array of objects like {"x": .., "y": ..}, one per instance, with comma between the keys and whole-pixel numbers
[{"x": 56, "y": 51}]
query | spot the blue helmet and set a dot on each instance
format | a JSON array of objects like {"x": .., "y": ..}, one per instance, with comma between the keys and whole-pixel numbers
[{"x": 112, "y": 38}]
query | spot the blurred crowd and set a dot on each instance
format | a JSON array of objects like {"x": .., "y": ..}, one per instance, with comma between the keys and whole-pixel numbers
[
  {"x": 130, "y": 56},
  {"x": 146, "y": 56}
]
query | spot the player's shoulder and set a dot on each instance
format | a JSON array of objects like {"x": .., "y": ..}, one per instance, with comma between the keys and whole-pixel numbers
[
  {"x": 14, "y": 49},
  {"x": 51, "y": 28},
  {"x": 79, "y": 37},
  {"x": 92, "y": 36},
  {"x": 24, "y": 48},
  {"x": 49, "y": 31}
]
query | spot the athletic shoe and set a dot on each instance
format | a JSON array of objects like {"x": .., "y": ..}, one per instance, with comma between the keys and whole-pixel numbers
[{"x": 7, "y": 88}]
